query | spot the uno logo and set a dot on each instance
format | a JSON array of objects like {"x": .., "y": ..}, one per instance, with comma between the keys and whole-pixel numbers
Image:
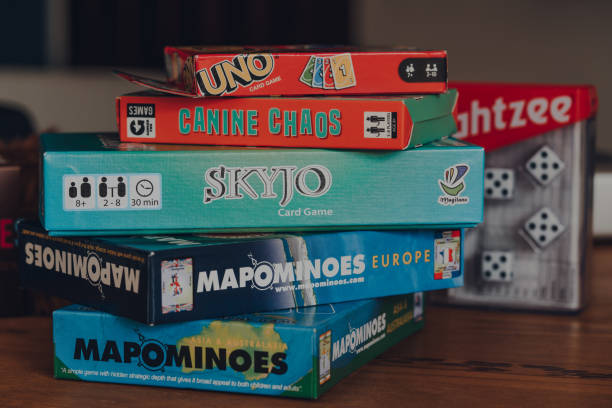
[{"x": 226, "y": 76}]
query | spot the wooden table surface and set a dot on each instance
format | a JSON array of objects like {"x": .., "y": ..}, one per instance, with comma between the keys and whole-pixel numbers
[{"x": 463, "y": 357}]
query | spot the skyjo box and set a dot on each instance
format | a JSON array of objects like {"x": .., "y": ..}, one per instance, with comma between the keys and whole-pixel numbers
[
  {"x": 92, "y": 185},
  {"x": 160, "y": 279},
  {"x": 298, "y": 70},
  {"x": 392, "y": 123},
  {"x": 292, "y": 353}
]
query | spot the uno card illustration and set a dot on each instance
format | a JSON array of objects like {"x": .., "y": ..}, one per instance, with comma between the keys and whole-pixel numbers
[
  {"x": 177, "y": 285},
  {"x": 317, "y": 73},
  {"x": 328, "y": 78},
  {"x": 306, "y": 76},
  {"x": 342, "y": 70}
]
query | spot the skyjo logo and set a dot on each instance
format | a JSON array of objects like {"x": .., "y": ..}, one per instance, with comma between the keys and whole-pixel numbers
[
  {"x": 453, "y": 185},
  {"x": 226, "y": 76}
]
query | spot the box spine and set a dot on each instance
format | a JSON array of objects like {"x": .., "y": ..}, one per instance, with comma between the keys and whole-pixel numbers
[
  {"x": 84, "y": 271},
  {"x": 356, "y": 341}
]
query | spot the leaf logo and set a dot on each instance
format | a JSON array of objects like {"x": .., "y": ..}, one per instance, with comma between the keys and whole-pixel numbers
[{"x": 453, "y": 183}]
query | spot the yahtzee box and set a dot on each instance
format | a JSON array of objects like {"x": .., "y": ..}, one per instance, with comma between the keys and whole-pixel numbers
[{"x": 533, "y": 250}]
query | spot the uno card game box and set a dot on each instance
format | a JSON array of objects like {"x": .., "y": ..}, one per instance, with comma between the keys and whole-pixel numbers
[
  {"x": 297, "y": 353},
  {"x": 533, "y": 250},
  {"x": 392, "y": 123},
  {"x": 298, "y": 70},
  {"x": 159, "y": 279},
  {"x": 93, "y": 184}
]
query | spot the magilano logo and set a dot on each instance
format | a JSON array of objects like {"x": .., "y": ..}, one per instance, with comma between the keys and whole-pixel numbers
[{"x": 453, "y": 185}]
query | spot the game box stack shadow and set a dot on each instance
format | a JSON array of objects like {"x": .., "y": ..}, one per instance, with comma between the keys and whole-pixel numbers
[{"x": 265, "y": 221}]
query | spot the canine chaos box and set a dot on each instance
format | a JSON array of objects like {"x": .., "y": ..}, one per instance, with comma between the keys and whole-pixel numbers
[
  {"x": 92, "y": 185},
  {"x": 157, "y": 279},
  {"x": 392, "y": 123},
  {"x": 298, "y": 352},
  {"x": 298, "y": 70}
]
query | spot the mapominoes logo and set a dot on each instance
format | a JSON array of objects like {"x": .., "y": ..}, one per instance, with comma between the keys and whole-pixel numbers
[{"x": 453, "y": 185}]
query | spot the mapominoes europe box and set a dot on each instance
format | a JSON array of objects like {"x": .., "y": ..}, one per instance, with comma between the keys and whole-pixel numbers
[
  {"x": 295, "y": 353},
  {"x": 157, "y": 279},
  {"x": 92, "y": 184}
]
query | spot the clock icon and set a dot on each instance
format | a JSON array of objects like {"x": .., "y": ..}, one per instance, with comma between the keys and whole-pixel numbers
[{"x": 144, "y": 188}]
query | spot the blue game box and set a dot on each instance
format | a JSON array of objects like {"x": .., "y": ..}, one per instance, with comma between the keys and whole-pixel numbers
[
  {"x": 160, "y": 279},
  {"x": 299, "y": 352}
]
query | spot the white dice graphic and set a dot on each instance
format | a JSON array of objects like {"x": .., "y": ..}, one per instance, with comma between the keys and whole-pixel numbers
[
  {"x": 499, "y": 184},
  {"x": 543, "y": 227},
  {"x": 544, "y": 165},
  {"x": 496, "y": 266}
]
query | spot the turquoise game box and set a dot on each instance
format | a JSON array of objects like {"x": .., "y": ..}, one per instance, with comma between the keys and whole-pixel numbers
[
  {"x": 298, "y": 352},
  {"x": 165, "y": 279},
  {"x": 94, "y": 185}
]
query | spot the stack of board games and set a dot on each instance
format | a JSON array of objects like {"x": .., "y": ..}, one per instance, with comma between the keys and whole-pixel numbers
[
  {"x": 534, "y": 250},
  {"x": 268, "y": 243}
]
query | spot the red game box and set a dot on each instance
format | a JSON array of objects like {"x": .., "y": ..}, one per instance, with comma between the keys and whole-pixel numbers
[
  {"x": 389, "y": 123},
  {"x": 298, "y": 70}
]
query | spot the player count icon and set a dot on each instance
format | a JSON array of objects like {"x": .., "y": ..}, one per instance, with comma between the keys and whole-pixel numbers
[
  {"x": 431, "y": 70},
  {"x": 72, "y": 191},
  {"x": 375, "y": 119},
  {"x": 85, "y": 189},
  {"x": 375, "y": 130},
  {"x": 410, "y": 70},
  {"x": 105, "y": 190}
]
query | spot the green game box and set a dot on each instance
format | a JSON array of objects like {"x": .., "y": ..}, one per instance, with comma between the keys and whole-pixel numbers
[
  {"x": 293, "y": 353},
  {"x": 94, "y": 185}
]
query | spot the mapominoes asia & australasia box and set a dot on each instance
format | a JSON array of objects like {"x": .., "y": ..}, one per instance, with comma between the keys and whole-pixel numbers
[{"x": 298, "y": 352}]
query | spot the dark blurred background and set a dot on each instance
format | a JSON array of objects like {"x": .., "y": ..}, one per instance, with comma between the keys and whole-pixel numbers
[{"x": 56, "y": 54}]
